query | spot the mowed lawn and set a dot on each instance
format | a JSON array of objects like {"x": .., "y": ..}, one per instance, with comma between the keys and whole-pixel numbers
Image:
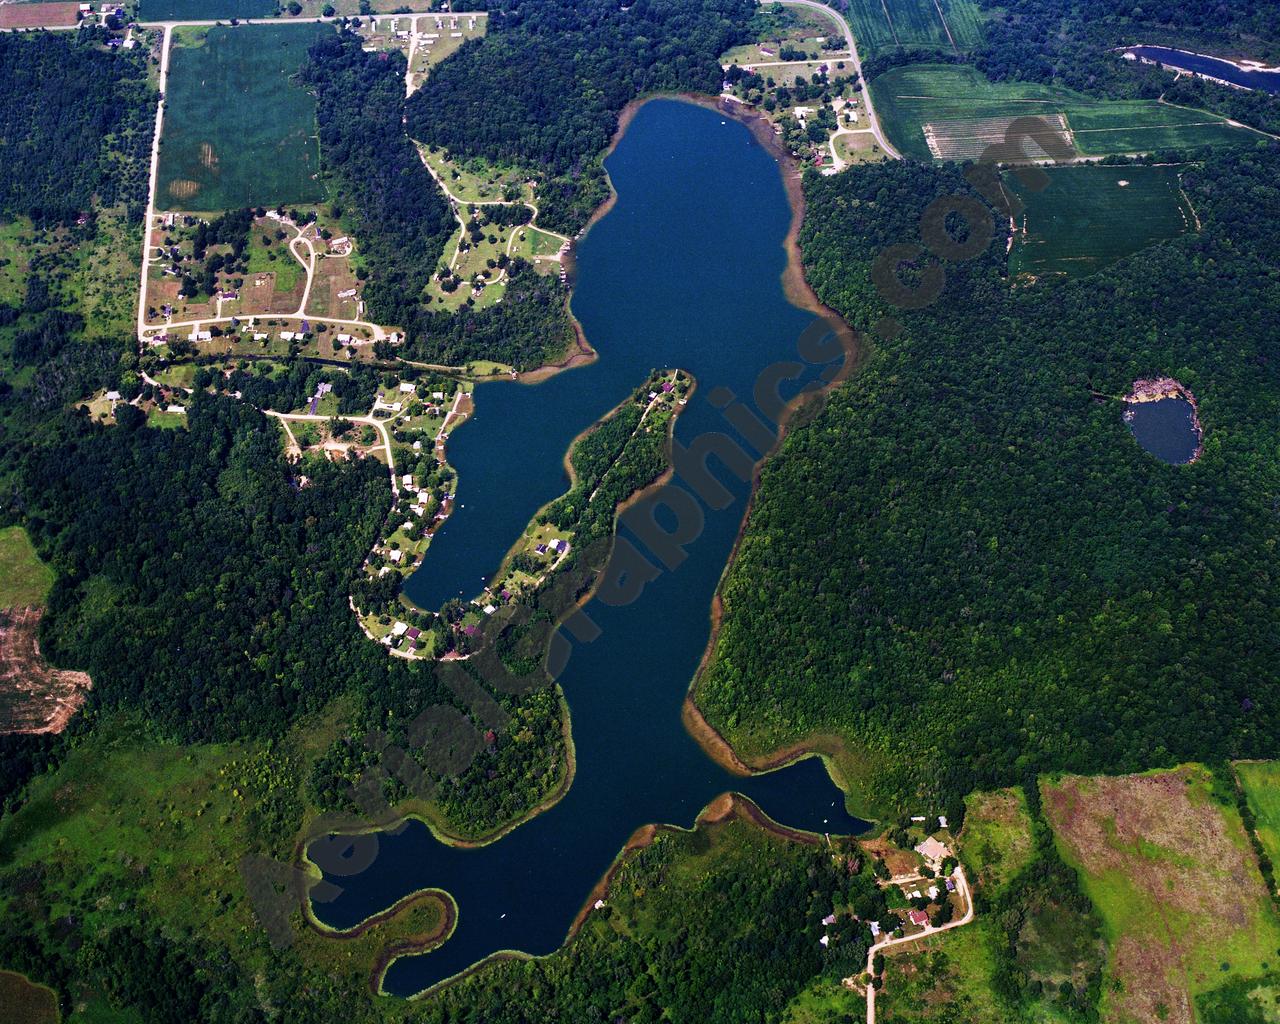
[
  {"x": 1090, "y": 217},
  {"x": 880, "y": 25},
  {"x": 237, "y": 130},
  {"x": 964, "y": 111},
  {"x": 1165, "y": 860},
  {"x": 24, "y": 579}
]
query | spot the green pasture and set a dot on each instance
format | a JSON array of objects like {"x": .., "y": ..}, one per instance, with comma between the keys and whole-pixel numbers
[
  {"x": 910, "y": 97},
  {"x": 1090, "y": 217},
  {"x": 1261, "y": 783},
  {"x": 237, "y": 130},
  {"x": 24, "y": 579},
  {"x": 880, "y": 25}
]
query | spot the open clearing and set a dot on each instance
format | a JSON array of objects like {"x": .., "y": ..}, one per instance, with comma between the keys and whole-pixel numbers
[
  {"x": 951, "y": 112},
  {"x": 1261, "y": 783},
  {"x": 1090, "y": 217},
  {"x": 880, "y": 25},
  {"x": 943, "y": 978},
  {"x": 24, "y": 579},
  {"x": 793, "y": 29},
  {"x": 1172, "y": 874},
  {"x": 35, "y": 697},
  {"x": 237, "y": 131},
  {"x": 996, "y": 841}
]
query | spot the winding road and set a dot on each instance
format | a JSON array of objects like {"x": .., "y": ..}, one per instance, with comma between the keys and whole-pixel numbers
[
  {"x": 962, "y": 886},
  {"x": 873, "y": 122}
]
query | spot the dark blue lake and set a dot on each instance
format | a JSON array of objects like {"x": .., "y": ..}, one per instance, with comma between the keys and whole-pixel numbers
[
  {"x": 685, "y": 270},
  {"x": 1201, "y": 64},
  {"x": 1165, "y": 428}
]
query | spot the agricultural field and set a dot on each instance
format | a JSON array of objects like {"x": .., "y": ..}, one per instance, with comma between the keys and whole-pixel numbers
[
  {"x": 952, "y": 112},
  {"x": 1090, "y": 217},
  {"x": 24, "y": 579},
  {"x": 24, "y": 1002},
  {"x": 237, "y": 131},
  {"x": 1165, "y": 860},
  {"x": 881, "y": 25},
  {"x": 39, "y": 15},
  {"x": 204, "y": 10},
  {"x": 789, "y": 33}
]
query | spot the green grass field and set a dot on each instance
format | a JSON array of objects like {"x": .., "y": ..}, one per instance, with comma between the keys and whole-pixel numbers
[
  {"x": 1090, "y": 217},
  {"x": 964, "y": 112},
  {"x": 880, "y": 25},
  {"x": 24, "y": 579},
  {"x": 237, "y": 131},
  {"x": 1261, "y": 782}
]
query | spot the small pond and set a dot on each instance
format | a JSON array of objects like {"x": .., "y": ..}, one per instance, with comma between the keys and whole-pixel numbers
[{"x": 1166, "y": 428}]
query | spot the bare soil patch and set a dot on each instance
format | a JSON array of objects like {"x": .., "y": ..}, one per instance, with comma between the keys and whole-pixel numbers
[
  {"x": 35, "y": 697},
  {"x": 38, "y": 15}
]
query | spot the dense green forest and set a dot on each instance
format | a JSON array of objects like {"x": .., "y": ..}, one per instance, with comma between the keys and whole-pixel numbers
[
  {"x": 195, "y": 580},
  {"x": 545, "y": 85},
  {"x": 404, "y": 221},
  {"x": 401, "y": 218},
  {"x": 965, "y": 566},
  {"x": 75, "y": 127}
]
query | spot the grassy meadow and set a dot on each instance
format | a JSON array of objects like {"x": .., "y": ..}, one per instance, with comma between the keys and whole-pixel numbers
[
  {"x": 24, "y": 579},
  {"x": 237, "y": 131},
  {"x": 966, "y": 111},
  {"x": 995, "y": 844},
  {"x": 1261, "y": 783},
  {"x": 1090, "y": 217}
]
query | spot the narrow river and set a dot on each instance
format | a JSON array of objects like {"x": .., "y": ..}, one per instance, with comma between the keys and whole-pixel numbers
[{"x": 685, "y": 271}]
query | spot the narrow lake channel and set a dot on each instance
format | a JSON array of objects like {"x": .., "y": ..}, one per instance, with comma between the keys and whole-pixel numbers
[{"x": 684, "y": 271}]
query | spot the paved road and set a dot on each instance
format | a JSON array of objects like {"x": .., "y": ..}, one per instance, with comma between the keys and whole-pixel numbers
[{"x": 872, "y": 121}]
